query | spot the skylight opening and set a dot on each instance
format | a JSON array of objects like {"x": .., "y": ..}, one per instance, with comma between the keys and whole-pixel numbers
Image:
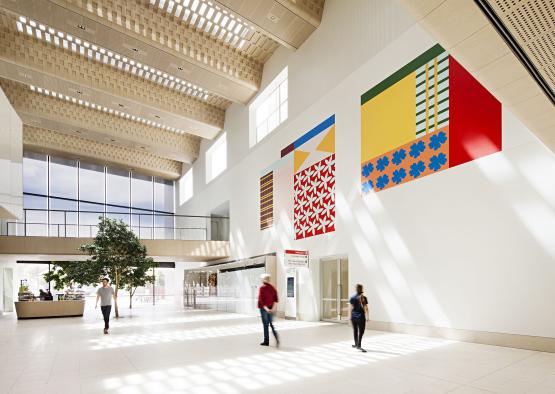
[
  {"x": 206, "y": 16},
  {"x": 101, "y": 55}
]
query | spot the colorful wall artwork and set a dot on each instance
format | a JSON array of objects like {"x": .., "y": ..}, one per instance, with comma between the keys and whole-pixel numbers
[
  {"x": 303, "y": 182},
  {"x": 428, "y": 116}
]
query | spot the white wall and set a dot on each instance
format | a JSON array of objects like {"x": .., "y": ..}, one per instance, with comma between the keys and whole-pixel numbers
[
  {"x": 472, "y": 247},
  {"x": 11, "y": 161}
]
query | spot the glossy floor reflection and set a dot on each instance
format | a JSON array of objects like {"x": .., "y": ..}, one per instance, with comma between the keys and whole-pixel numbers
[{"x": 166, "y": 350}]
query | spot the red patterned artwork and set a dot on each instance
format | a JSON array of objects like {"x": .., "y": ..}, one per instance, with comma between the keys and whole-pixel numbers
[{"x": 314, "y": 201}]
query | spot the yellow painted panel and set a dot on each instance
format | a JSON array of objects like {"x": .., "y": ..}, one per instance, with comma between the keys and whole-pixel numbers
[
  {"x": 389, "y": 119},
  {"x": 300, "y": 157},
  {"x": 328, "y": 142}
]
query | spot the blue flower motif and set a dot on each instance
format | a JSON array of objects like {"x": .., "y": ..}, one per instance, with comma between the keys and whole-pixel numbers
[
  {"x": 382, "y": 181},
  {"x": 437, "y": 140},
  {"x": 399, "y": 156},
  {"x": 437, "y": 161},
  {"x": 367, "y": 169},
  {"x": 417, "y": 168},
  {"x": 399, "y": 175},
  {"x": 383, "y": 162},
  {"x": 417, "y": 148},
  {"x": 367, "y": 187}
]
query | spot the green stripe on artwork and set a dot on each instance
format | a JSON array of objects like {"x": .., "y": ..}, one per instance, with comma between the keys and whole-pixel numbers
[{"x": 402, "y": 73}]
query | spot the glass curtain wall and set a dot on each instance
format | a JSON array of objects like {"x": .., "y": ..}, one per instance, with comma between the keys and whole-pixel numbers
[
  {"x": 64, "y": 198},
  {"x": 35, "y": 189}
]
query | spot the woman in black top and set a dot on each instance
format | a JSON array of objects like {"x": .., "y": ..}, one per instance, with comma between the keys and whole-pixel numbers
[{"x": 358, "y": 315}]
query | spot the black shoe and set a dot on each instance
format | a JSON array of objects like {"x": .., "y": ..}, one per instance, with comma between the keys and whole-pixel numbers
[
  {"x": 277, "y": 342},
  {"x": 362, "y": 350},
  {"x": 354, "y": 346},
  {"x": 264, "y": 344},
  {"x": 105, "y": 331}
]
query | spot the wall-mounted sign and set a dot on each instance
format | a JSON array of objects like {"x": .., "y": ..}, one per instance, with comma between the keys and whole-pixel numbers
[{"x": 296, "y": 258}]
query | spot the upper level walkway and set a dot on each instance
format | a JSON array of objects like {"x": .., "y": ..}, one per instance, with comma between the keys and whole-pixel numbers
[{"x": 59, "y": 233}]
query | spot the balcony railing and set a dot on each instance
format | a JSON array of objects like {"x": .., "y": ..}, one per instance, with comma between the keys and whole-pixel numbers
[{"x": 69, "y": 223}]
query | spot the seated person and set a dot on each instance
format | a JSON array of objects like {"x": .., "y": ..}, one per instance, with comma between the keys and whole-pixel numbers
[{"x": 42, "y": 294}]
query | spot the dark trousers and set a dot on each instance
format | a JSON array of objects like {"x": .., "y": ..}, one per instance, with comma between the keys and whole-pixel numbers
[
  {"x": 267, "y": 321},
  {"x": 359, "y": 325},
  {"x": 106, "y": 313}
]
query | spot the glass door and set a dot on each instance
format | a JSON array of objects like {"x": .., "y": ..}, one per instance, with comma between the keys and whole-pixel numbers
[{"x": 335, "y": 292}]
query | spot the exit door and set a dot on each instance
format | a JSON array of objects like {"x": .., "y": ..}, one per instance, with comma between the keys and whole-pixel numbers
[{"x": 335, "y": 291}]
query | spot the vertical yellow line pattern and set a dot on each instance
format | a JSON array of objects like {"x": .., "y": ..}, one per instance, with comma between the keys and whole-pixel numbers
[
  {"x": 435, "y": 93},
  {"x": 426, "y": 84}
]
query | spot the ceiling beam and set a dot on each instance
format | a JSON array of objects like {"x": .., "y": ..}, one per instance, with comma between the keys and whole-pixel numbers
[
  {"x": 28, "y": 60},
  {"x": 288, "y": 22},
  {"x": 137, "y": 30},
  {"x": 50, "y": 142},
  {"x": 71, "y": 119}
]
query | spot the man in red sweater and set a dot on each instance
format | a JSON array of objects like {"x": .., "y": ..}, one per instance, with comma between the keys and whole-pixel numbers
[{"x": 267, "y": 303}]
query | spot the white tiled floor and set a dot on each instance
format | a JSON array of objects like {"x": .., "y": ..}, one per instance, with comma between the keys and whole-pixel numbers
[{"x": 162, "y": 350}]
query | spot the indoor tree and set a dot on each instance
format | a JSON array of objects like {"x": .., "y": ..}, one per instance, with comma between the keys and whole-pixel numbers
[
  {"x": 137, "y": 277},
  {"x": 115, "y": 252}
]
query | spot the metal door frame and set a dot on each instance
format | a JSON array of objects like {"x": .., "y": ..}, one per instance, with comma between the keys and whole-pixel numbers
[{"x": 337, "y": 258}]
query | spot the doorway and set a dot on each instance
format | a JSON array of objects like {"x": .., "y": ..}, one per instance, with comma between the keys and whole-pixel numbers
[{"x": 335, "y": 288}]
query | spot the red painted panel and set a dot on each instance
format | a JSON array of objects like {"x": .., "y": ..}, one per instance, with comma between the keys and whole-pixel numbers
[{"x": 474, "y": 117}]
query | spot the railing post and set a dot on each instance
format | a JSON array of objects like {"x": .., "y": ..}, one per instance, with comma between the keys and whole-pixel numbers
[
  {"x": 25, "y": 222},
  {"x": 65, "y": 225}
]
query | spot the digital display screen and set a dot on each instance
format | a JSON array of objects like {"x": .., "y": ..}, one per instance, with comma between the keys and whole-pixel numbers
[{"x": 290, "y": 287}]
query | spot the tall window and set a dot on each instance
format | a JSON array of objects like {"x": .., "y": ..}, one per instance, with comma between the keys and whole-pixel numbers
[
  {"x": 216, "y": 158},
  {"x": 186, "y": 187},
  {"x": 269, "y": 109},
  {"x": 35, "y": 188},
  {"x": 118, "y": 194},
  {"x": 64, "y": 198},
  {"x": 92, "y": 194}
]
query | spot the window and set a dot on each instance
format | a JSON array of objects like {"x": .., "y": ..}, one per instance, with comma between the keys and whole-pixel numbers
[
  {"x": 186, "y": 187},
  {"x": 64, "y": 198},
  {"x": 118, "y": 198},
  {"x": 163, "y": 203},
  {"x": 35, "y": 187},
  {"x": 216, "y": 158},
  {"x": 269, "y": 109},
  {"x": 91, "y": 196},
  {"x": 142, "y": 194}
]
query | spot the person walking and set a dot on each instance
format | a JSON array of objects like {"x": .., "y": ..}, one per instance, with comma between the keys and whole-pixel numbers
[
  {"x": 267, "y": 303},
  {"x": 358, "y": 315},
  {"x": 105, "y": 294}
]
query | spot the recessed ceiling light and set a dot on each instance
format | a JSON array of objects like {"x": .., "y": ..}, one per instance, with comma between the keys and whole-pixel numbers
[
  {"x": 142, "y": 147},
  {"x": 121, "y": 105},
  {"x": 180, "y": 68},
  {"x": 104, "y": 56},
  {"x": 78, "y": 131},
  {"x": 79, "y": 92},
  {"x": 98, "y": 107},
  {"x": 112, "y": 140}
]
